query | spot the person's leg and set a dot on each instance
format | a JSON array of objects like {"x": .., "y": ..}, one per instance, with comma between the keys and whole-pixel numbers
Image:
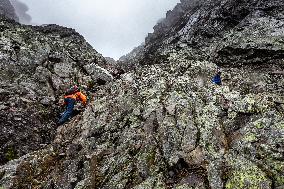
[{"x": 68, "y": 112}]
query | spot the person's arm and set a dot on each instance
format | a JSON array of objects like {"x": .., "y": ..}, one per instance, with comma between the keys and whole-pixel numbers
[{"x": 83, "y": 98}]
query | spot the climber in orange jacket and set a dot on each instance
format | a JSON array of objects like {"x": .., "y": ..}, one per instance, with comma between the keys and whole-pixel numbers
[{"x": 71, "y": 96}]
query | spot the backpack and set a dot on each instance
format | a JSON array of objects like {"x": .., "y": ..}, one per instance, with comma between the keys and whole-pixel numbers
[{"x": 72, "y": 90}]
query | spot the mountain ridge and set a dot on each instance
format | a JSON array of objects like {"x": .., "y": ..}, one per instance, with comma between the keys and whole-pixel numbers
[{"x": 160, "y": 122}]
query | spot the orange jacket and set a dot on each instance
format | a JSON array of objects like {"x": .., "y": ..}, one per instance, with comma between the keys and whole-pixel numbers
[{"x": 78, "y": 96}]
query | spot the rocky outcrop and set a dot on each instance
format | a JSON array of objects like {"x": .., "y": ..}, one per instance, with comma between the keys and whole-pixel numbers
[
  {"x": 22, "y": 11},
  {"x": 115, "y": 68},
  {"x": 7, "y": 10},
  {"x": 201, "y": 27},
  {"x": 165, "y": 125},
  {"x": 130, "y": 61},
  {"x": 36, "y": 65}
]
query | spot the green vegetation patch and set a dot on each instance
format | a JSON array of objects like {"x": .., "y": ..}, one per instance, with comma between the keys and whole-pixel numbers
[{"x": 11, "y": 154}]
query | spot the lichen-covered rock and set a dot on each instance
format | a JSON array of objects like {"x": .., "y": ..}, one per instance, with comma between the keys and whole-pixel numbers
[
  {"x": 36, "y": 65},
  {"x": 164, "y": 124},
  {"x": 247, "y": 175},
  {"x": 158, "y": 128}
]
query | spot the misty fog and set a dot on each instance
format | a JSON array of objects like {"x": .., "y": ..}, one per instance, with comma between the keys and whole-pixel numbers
[
  {"x": 21, "y": 10},
  {"x": 112, "y": 27}
]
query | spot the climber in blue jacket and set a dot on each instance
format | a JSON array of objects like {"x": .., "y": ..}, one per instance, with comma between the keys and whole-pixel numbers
[{"x": 217, "y": 78}]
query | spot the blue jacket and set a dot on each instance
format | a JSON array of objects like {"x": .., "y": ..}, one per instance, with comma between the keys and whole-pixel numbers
[{"x": 217, "y": 79}]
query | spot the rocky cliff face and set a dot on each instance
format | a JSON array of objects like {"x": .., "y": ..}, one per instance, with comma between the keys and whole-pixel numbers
[
  {"x": 37, "y": 65},
  {"x": 7, "y": 10},
  {"x": 201, "y": 26},
  {"x": 22, "y": 11},
  {"x": 165, "y": 125}
]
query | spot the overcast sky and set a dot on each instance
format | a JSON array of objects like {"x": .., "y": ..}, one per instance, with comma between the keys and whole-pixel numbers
[{"x": 112, "y": 27}]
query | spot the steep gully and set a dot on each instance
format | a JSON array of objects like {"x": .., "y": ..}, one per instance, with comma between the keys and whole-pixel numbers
[{"x": 162, "y": 123}]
